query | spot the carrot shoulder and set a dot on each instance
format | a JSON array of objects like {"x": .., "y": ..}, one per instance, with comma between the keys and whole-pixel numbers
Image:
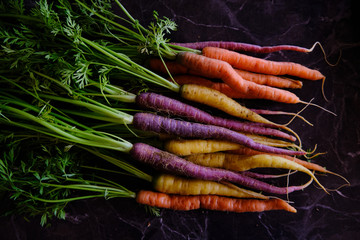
[{"x": 259, "y": 65}]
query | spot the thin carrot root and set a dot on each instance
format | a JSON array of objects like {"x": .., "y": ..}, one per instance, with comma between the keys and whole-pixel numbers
[
  {"x": 272, "y": 142},
  {"x": 323, "y": 89},
  {"x": 295, "y": 115},
  {"x": 311, "y": 155},
  {"x": 325, "y": 57}
]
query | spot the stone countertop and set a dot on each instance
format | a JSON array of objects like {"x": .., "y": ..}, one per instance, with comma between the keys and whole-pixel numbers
[{"x": 319, "y": 216}]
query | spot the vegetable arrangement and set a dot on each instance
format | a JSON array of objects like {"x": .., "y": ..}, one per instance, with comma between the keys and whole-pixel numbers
[{"x": 79, "y": 80}]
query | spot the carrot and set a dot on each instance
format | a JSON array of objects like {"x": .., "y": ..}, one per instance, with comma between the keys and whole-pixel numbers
[
  {"x": 259, "y": 65},
  {"x": 243, "y": 205},
  {"x": 220, "y": 101},
  {"x": 235, "y": 162},
  {"x": 175, "y": 68},
  {"x": 174, "y": 107},
  {"x": 239, "y": 46},
  {"x": 214, "y": 68},
  {"x": 165, "y": 161},
  {"x": 172, "y": 184},
  {"x": 269, "y": 80},
  {"x": 184, "y": 129},
  {"x": 211, "y": 202},
  {"x": 183, "y": 147},
  {"x": 242, "y": 150},
  {"x": 163, "y": 200}
]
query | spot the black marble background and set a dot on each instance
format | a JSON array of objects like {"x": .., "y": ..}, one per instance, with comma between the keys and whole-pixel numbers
[{"x": 320, "y": 216}]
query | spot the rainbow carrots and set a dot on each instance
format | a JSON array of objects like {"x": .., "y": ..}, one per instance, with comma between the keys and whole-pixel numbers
[
  {"x": 211, "y": 202},
  {"x": 240, "y": 163},
  {"x": 174, "y": 107},
  {"x": 171, "y": 163},
  {"x": 159, "y": 124}
]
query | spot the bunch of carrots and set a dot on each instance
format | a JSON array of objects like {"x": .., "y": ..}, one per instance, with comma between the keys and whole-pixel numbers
[{"x": 201, "y": 160}]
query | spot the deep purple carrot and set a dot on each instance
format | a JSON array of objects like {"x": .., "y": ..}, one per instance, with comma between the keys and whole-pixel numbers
[
  {"x": 160, "y": 124},
  {"x": 165, "y": 161},
  {"x": 246, "y": 47},
  {"x": 171, "y": 106}
]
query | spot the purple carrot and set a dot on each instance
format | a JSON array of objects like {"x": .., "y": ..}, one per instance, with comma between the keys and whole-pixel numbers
[
  {"x": 246, "y": 47},
  {"x": 159, "y": 124},
  {"x": 171, "y": 106},
  {"x": 165, "y": 161}
]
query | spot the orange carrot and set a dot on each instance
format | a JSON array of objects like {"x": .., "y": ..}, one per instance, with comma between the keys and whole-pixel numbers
[
  {"x": 269, "y": 80},
  {"x": 163, "y": 200},
  {"x": 258, "y": 65},
  {"x": 211, "y": 202},
  {"x": 213, "y": 68},
  {"x": 175, "y": 68},
  {"x": 243, "y": 205}
]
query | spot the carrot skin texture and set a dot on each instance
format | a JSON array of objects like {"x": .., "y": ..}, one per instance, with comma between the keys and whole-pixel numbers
[
  {"x": 171, "y": 163},
  {"x": 210, "y": 202},
  {"x": 243, "y": 205},
  {"x": 159, "y": 124},
  {"x": 269, "y": 80},
  {"x": 163, "y": 200},
  {"x": 186, "y": 147},
  {"x": 214, "y": 68},
  {"x": 239, "y": 46},
  {"x": 259, "y": 65},
  {"x": 174, "y": 107}
]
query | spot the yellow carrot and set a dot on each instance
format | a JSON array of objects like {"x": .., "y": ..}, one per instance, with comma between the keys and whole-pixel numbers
[
  {"x": 172, "y": 184},
  {"x": 186, "y": 147},
  {"x": 237, "y": 162}
]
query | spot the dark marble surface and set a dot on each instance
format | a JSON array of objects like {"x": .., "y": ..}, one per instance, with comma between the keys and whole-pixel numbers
[{"x": 320, "y": 216}]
